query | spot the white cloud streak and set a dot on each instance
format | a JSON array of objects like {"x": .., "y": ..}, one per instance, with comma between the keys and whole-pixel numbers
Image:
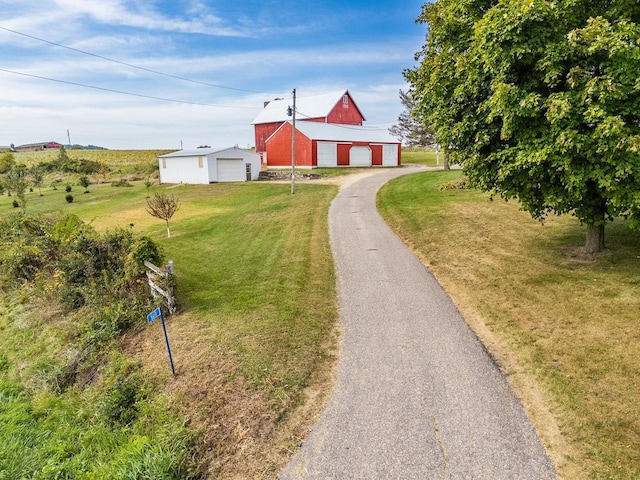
[{"x": 138, "y": 33}]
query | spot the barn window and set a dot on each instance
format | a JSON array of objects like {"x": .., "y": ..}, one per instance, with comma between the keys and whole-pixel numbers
[
  {"x": 199, "y": 162},
  {"x": 345, "y": 101},
  {"x": 164, "y": 163}
]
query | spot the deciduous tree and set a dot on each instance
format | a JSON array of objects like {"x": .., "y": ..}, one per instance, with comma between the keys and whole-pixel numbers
[
  {"x": 37, "y": 177},
  {"x": 7, "y": 161},
  {"x": 15, "y": 181},
  {"x": 162, "y": 206},
  {"x": 539, "y": 101}
]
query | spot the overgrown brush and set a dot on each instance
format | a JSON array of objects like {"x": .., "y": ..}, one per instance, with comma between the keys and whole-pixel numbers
[{"x": 70, "y": 405}]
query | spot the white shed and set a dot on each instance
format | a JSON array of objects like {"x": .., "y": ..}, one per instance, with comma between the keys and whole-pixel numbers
[{"x": 209, "y": 165}]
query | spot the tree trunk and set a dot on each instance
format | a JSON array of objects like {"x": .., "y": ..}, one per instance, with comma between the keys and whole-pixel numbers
[
  {"x": 595, "y": 238},
  {"x": 446, "y": 161},
  {"x": 168, "y": 231}
]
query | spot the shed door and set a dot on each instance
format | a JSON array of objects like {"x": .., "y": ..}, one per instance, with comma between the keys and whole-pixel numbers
[
  {"x": 327, "y": 154},
  {"x": 231, "y": 170},
  {"x": 360, "y": 157},
  {"x": 390, "y": 155}
]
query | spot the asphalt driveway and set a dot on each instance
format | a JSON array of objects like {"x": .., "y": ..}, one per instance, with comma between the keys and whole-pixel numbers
[{"x": 416, "y": 395}]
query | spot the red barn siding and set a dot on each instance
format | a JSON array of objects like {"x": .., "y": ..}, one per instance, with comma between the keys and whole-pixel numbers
[
  {"x": 345, "y": 113},
  {"x": 279, "y": 149},
  {"x": 376, "y": 155},
  {"x": 262, "y": 132},
  {"x": 343, "y": 154}
]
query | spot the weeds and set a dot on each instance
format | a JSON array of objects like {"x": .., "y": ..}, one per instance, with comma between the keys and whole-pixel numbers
[{"x": 68, "y": 408}]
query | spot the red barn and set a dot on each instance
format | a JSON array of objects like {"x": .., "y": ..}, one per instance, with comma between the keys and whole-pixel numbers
[
  {"x": 336, "y": 107},
  {"x": 332, "y": 145},
  {"x": 38, "y": 146}
]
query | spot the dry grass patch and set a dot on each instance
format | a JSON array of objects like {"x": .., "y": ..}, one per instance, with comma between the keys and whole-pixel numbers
[{"x": 562, "y": 324}]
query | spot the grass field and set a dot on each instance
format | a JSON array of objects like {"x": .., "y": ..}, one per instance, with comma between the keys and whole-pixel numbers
[
  {"x": 422, "y": 156},
  {"x": 563, "y": 325},
  {"x": 253, "y": 341},
  {"x": 121, "y": 161}
]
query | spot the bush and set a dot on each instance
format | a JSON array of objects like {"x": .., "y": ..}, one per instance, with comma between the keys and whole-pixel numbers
[
  {"x": 119, "y": 405},
  {"x": 121, "y": 183},
  {"x": 72, "y": 298},
  {"x": 84, "y": 182},
  {"x": 459, "y": 184},
  {"x": 67, "y": 188},
  {"x": 69, "y": 198},
  {"x": 142, "y": 249},
  {"x": 22, "y": 262},
  {"x": 15, "y": 203}
]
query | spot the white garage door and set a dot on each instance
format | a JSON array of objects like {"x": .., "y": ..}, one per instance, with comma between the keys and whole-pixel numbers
[
  {"x": 327, "y": 154},
  {"x": 231, "y": 170},
  {"x": 360, "y": 157},
  {"x": 390, "y": 155}
]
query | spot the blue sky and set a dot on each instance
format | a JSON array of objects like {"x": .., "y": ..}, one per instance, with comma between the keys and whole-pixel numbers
[{"x": 258, "y": 50}]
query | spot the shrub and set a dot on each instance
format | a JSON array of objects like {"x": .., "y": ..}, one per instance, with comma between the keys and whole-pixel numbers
[
  {"x": 121, "y": 183},
  {"x": 67, "y": 188},
  {"x": 142, "y": 249},
  {"x": 69, "y": 198},
  {"x": 84, "y": 182},
  {"x": 22, "y": 262},
  {"x": 15, "y": 203},
  {"x": 72, "y": 298},
  {"x": 459, "y": 184},
  {"x": 120, "y": 403}
]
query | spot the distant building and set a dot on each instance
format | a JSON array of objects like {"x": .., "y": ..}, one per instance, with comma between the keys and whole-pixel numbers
[
  {"x": 31, "y": 147},
  {"x": 5, "y": 149},
  {"x": 336, "y": 107}
]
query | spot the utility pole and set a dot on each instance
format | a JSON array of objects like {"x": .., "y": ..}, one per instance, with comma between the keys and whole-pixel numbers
[
  {"x": 293, "y": 146},
  {"x": 69, "y": 138}
]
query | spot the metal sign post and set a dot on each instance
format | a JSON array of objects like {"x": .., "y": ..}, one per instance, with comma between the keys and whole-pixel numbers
[{"x": 150, "y": 318}]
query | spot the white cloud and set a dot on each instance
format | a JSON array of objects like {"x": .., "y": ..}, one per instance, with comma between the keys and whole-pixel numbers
[{"x": 38, "y": 110}]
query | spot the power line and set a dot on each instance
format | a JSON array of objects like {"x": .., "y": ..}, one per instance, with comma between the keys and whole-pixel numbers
[
  {"x": 121, "y": 92},
  {"x": 355, "y": 127},
  {"x": 129, "y": 64}
]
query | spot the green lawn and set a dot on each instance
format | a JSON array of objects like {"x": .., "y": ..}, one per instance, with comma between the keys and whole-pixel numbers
[
  {"x": 422, "y": 156},
  {"x": 563, "y": 325},
  {"x": 254, "y": 337}
]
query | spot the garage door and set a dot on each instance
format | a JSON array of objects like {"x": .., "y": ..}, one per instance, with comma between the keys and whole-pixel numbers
[
  {"x": 360, "y": 157},
  {"x": 327, "y": 154},
  {"x": 231, "y": 170},
  {"x": 390, "y": 155}
]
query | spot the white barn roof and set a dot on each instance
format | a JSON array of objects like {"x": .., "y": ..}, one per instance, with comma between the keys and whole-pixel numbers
[
  {"x": 196, "y": 152},
  {"x": 315, "y": 106},
  {"x": 345, "y": 133}
]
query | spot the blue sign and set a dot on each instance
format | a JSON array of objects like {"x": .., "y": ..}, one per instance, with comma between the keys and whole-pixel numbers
[{"x": 153, "y": 315}]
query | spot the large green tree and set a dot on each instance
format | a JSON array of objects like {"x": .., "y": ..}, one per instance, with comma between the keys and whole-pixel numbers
[{"x": 539, "y": 100}]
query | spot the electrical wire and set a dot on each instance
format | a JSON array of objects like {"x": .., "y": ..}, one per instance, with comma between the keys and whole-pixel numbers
[
  {"x": 341, "y": 125},
  {"x": 129, "y": 64},
  {"x": 122, "y": 92}
]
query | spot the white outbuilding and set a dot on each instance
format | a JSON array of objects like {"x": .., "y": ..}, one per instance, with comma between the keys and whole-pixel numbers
[{"x": 209, "y": 165}]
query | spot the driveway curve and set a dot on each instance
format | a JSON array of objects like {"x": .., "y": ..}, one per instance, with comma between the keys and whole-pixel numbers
[{"x": 416, "y": 394}]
